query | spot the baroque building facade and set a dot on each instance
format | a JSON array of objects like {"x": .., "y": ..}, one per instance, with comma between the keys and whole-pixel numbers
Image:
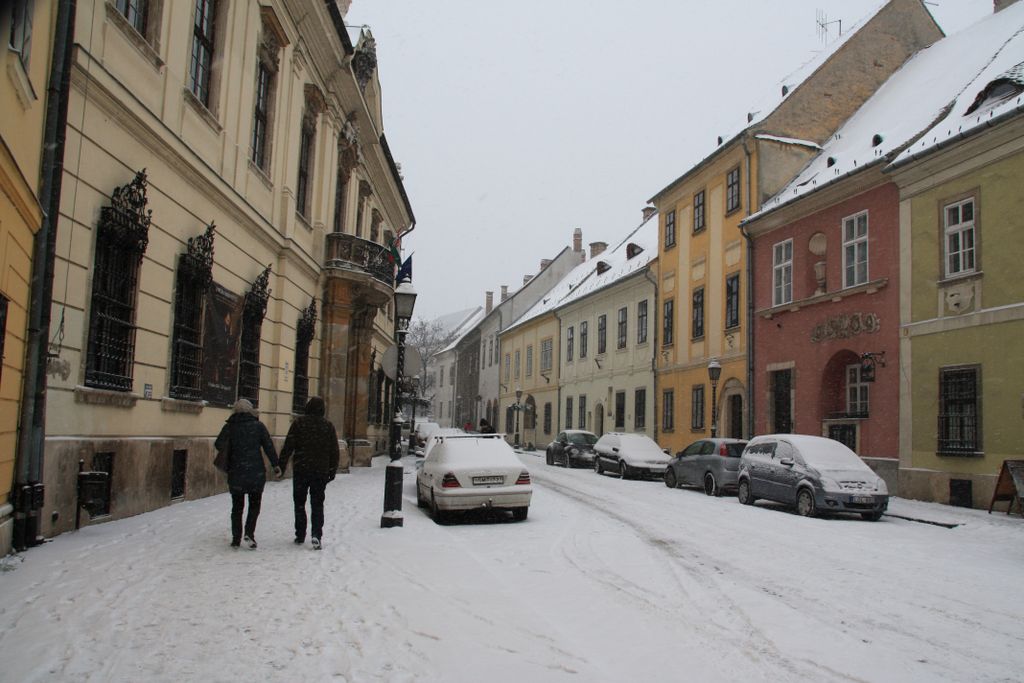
[{"x": 228, "y": 205}]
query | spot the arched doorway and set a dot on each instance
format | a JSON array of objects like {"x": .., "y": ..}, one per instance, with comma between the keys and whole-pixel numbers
[
  {"x": 530, "y": 421},
  {"x": 731, "y": 410}
]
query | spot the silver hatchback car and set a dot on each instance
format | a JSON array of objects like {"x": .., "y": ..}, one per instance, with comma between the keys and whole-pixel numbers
[
  {"x": 811, "y": 473},
  {"x": 709, "y": 463}
]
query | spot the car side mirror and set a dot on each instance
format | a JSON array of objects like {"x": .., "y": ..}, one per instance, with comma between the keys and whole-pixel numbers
[
  {"x": 788, "y": 462},
  {"x": 615, "y": 449},
  {"x": 665, "y": 451}
]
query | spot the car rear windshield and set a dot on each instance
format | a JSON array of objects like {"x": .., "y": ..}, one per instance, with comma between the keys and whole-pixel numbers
[
  {"x": 735, "y": 450},
  {"x": 581, "y": 439}
]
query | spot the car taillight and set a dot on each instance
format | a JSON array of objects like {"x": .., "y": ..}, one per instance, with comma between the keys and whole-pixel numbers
[
  {"x": 723, "y": 451},
  {"x": 524, "y": 478},
  {"x": 450, "y": 482}
]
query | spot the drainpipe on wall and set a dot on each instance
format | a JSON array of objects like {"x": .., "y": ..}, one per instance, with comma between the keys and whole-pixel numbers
[
  {"x": 750, "y": 301},
  {"x": 654, "y": 355},
  {"x": 28, "y": 488}
]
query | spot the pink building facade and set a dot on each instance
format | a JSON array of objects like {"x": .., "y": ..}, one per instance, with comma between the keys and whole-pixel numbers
[{"x": 826, "y": 316}]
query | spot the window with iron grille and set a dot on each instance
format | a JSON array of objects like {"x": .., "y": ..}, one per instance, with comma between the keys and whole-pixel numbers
[
  {"x": 261, "y": 115},
  {"x": 194, "y": 276},
  {"x": 135, "y": 12},
  {"x": 121, "y": 238},
  {"x": 668, "y": 322},
  {"x": 3, "y": 331},
  {"x": 302, "y": 186},
  {"x": 202, "y": 50},
  {"x": 855, "y": 249},
  {"x": 546, "y": 355},
  {"x": 959, "y": 237},
  {"x": 547, "y": 418},
  {"x": 640, "y": 409},
  {"x": 304, "y": 333},
  {"x": 698, "y": 212},
  {"x": 602, "y": 333},
  {"x": 959, "y": 410},
  {"x": 529, "y": 361},
  {"x": 622, "y": 329},
  {"x": 641, "y": 322},
  {"x": 732, "y": 190},
  {"x": 670, "y": 229},
  {"x": 22, "y": 13},
  {"x": 568, "y": 343},
  {"x": 568, "y": 412},
  {"x": 620, "y": 410},
  {"x": 582, "y": 424},
  {"x": 252, "y": 327},
  {"x": 668, "y": 410},
  {"x": 697, "y": 407},
  {"x": 179, "y": 468},
  {"x": 732, "y": 301},
  {"x": 697, "y": 328},
  {"x": 583, "y": 339}
]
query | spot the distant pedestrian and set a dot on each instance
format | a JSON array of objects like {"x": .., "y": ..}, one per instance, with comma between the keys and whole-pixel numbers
[
  {"x": 314, "y": 443},
  {"x": 485, "y": 427},
  {"x": 243, "y": 435}
]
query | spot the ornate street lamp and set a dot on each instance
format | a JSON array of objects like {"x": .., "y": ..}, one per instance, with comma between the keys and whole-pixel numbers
[
  {"x": 518, "y": 407},
  {"x": 714, "y": 372},
  {"x": 405, "y": 300}
]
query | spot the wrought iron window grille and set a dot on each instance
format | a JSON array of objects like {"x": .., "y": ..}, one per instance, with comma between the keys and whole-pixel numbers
[
  {"x": 305, "y": 332},
  {"x": 253, "y": 313},
  {"x": 195, "y": 275}
]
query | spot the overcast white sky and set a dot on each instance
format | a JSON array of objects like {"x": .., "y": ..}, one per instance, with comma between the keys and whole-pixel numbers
[{"x": 516, "y": 122}]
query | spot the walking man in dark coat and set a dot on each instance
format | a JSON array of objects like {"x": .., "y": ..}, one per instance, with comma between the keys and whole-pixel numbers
[
  {"x": 314, "y": 443},
  {"x": 244, "y": 435}
]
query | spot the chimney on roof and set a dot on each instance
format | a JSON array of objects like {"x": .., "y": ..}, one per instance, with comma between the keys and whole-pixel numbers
[
  {"x": 597, "y": 248},
  {"x": 649, "y": 211},
  {"x": 489, "y": 299},
  {"x": 544, "y": 263},
  {"x": 526, "y": 279},
  {"x": 504, "y": 292},
  {"x": 577, "y": 240}
]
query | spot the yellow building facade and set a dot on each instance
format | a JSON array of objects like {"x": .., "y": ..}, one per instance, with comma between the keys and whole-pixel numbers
[{"x": 529, "y": 381}]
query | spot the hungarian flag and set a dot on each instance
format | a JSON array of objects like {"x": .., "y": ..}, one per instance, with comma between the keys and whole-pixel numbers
[{"x": 394, "y": 256}]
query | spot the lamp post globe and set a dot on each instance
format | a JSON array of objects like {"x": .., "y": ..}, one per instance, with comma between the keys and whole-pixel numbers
[{"x": 714, "y": 373}]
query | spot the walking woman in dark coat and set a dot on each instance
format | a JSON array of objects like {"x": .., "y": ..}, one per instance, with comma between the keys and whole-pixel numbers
[
  {"x": 244, "y": 435},
  {"x": 314, "y": 442}
]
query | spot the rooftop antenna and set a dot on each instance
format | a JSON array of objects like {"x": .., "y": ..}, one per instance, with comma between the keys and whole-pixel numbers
[{"x": 823, "y": 23}]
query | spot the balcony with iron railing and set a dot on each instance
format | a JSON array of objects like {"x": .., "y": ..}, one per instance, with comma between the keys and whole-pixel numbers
[{"x": 362, "y": 263}]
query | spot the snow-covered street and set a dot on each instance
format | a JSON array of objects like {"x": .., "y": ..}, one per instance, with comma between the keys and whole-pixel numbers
[{"x": 607, "y": 580}]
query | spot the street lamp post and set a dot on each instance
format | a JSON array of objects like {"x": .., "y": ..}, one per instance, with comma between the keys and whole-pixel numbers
[
  {"x": 714, "y": 372},
  {"x": 405, "y": 299},
  {"x": 414, "y": 385},
  {"x": 518, "y": 408}
]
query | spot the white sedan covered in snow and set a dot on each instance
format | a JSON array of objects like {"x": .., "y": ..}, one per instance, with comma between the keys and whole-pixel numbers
[{"x": 471, "y": 472}]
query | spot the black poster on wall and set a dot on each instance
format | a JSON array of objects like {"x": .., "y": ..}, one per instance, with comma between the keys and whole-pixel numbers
[{"x": 221, "y": 336}]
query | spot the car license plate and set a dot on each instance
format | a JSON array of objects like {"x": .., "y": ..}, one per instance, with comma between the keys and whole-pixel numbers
[
  {"x": 863, "y": 499},
  {"x": 484, "y": 481}
]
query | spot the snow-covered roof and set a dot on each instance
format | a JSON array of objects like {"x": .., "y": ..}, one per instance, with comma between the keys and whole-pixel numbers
[
  {"x": 631, "y": 255},
  {"x": 465, "y": 327},
  {"x": 911, "y": 101},
  {"x": 995, "y": 92},
  {"x": 762, "y": 107}
]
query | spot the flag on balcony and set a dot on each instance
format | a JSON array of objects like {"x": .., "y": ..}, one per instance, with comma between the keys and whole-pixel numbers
[
  {"x": 394, "y": 256},
  {"x": 405, "y": 272}
]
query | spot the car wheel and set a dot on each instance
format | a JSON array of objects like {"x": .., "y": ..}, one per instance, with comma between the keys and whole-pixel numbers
[
  {"x": 711, "y": 486},
  {"x": 519, "y": 514},
  {"x": 805, "y": 503},
  {"x": 437, "y": 513},
  {"x": 550, "y": 458},
  {"x": 623, "y": 470},
  {"x": 597, "y": 466},
  {"x": 670, "y": 478},
  {"x": 420, "y": 501},
  {"x": 872, "y": 516},
  {"x": 743, "y": 493}
]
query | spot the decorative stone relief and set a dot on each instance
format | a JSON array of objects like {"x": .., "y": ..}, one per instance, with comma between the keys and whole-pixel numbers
[
  {"x": 958, "y": 298},
  {"x": 364, "y": 62},
  {"x": 846, "y": 326}
]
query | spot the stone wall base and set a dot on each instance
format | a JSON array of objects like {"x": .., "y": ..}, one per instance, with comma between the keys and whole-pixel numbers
[
  {"x": 933, "y": 486},
  {"x": 889, "y": 470}
]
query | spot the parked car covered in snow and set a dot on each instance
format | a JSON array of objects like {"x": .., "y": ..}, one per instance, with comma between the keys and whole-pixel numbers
[
  {"x": 629, "y": 455},
  {"x": 811, "y": 473},
  {"x": 437, "y": 435},
  {"x": 472, "y": 471},
  {"x": 709, "y": 463},
  {"x": 572, "y": 447}
]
